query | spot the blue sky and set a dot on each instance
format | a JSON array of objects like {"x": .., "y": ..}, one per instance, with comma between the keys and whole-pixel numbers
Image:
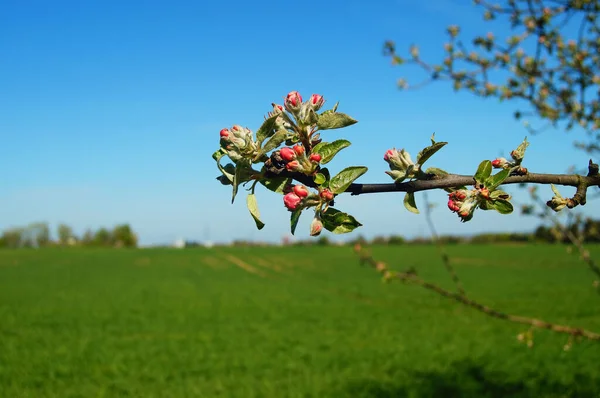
[{"x": 110, "y": 110}]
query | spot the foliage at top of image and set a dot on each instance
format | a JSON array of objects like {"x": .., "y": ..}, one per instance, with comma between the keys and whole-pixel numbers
[{"x": 550, "y": 61}]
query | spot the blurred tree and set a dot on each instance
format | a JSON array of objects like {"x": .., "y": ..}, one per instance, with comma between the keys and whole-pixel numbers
[
  {"x": 103, "y": 237},
  {"x": 65, "y": 233},
  {"x": 123, "y": 236}
]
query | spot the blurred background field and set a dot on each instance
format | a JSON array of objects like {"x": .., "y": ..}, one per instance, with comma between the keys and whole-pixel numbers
[{"x": 290, "y": 322}]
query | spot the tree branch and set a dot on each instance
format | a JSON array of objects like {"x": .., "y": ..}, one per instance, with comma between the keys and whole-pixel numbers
[{"x": 411, "y": 277}]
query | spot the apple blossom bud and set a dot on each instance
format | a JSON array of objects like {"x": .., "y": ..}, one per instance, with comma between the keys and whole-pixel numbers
[
  {"x": 287, "y": 154},
  {"x": 291, "y": 201},
  {"x": 224, "y": 133},
  {"x": 301, "y": 191},
  {"x": 293, "y": 165},
  {"x": 277, "y": 109},
  {"x": 326, "y": 195},
  {"x": 316, "y": 101},
  {"x": 316, "y": 226},
  {"x": 499, "y": 163},
  {"x": 390, "y": 153},
  {"x": 315, "y": 157},
  {"x": 299, "y": 150},
  {"x": 293, "y": 101}
]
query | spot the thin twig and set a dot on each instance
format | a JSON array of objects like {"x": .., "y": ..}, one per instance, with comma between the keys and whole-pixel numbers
[
  {"x": 440, "y": 247},
  {"x": 411, "y": 277}
]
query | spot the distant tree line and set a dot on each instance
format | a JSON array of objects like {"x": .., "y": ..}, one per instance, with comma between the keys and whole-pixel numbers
[{"x": 38, "y": 235}]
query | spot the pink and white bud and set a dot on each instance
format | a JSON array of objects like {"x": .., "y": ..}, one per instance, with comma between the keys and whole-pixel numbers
[
  {"x": 326, "y": 195},
  {"x": 224, "y": 133},
  {"x": 298, "y": 150},
  {"x": 390, "y": 153},
  {"x": 287, "y": 154},
  {"x": 315, "y": 157},
  {"x": 301, "y": 191},
  {"x": 316, "y": 226},
  {"x": 294, "y": 165},
  {"x": 316, "y": 101},
  {"x": 291, "y": 201},
  {"x": 293, "y": 101},
  {"x": 499, "y": 163}
]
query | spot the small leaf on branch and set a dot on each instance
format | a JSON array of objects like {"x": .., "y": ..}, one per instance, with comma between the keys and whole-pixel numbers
[
  {"x": 276, "y": 184},
  {"x": 338, "y": 222},
  {"x": 320, "y": 178},
  {"x": 497, "y": 179},
  {"x": 328, "y": 150},
  {"x": 334, "y": 120},
  {"x": 277, "y": 139},
  {"x": 294, "y": 220},
  {"x": 483, "y": 171},
  {"x": 502, "y": 206},
  {"x": 253, "y": 207},
  {"x": 341, "y": 181},
  {"x": 409, "y": 202},
  {"x": 267, "y": 129},
  {"x": 436, "y": 172},
  {"x": 243, "y": 173},
  {"x": 429, "y": 151}
]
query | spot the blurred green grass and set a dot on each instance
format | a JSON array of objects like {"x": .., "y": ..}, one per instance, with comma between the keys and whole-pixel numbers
[{"x": 290, "y": 322}]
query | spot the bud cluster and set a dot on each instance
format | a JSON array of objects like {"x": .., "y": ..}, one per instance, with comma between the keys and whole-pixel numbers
[
  {"x": 401, "y": 165},
  {"x": 296, "y": 159},
  {"x": 238, "y": 142},
  {"x": 463, "y": 202}
]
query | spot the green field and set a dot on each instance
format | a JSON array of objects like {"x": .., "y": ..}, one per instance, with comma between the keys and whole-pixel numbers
[{"x": 290, "y": 322}]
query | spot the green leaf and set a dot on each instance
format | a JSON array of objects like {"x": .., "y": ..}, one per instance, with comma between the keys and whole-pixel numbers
[
  {"x": 328, "y": 150},
  {"x": 334, "y": 120},
  {"x": 338, "y": 222},
  {"x": 409, "y": 202},
  {"x": 320, "y": 178},
  {"x": 294, "y": 220},
  {"x": 277, "y": 139},
  {"x": 502, "y": 206},
  {"x": 312, "y": 117},
  {"x": 266, "y": 130},
  {"x": 436, "y": 172},
  {"x": 483, "y": 171},
  {"x": 276, "y": 184},
  {"x": 429, "y": 151},
  {"x": 341, "y": 181},
  {"x": 229, "y": 169},
  {"x": 497, "y": 179},
  {"x": 243, "y": 173},
  {"x": 498, "y": 194},
  {"x": 253, "y": 207}
]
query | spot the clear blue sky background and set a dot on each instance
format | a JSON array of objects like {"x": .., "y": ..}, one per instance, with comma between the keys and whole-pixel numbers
[{"x": 110, "y": 110}]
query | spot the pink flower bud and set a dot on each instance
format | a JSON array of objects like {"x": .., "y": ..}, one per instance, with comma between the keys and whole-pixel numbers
[
  {"x": 291, "y": 201},
  {"x": 316, "y": 226},
  {"x": 224, "y": 133},
  {"x": 316, "y": 101},
  {"x": 301, "y": 191},
  {"x": 237, "y": 128},
  {"x": 299, "y": 150},
  {"x": 390, "y": 153},
  {"x": 315, "y": 157},
  {"x": 293, "y": 101},
  {"x": 287, "y": 154},
  {"x": 499, "y": 163},
  {"x": 277, "y": 109},
  {"x": 293, "y": 165},
  {"x": 326, "y": 195}
]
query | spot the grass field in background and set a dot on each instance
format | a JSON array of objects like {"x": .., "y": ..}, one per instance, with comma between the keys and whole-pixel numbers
[{"x": 290, "y": 322}]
